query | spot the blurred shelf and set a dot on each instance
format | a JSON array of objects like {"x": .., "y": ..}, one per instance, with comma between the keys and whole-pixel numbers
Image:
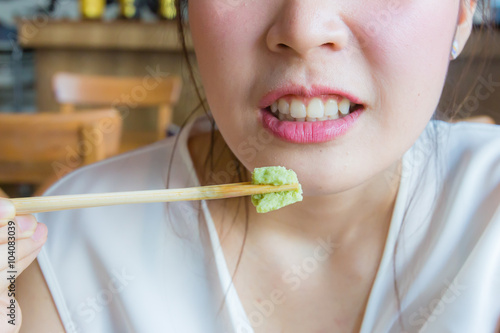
[
  {"x": 116, "y": 48},
  {"x": 101, "y": 35}
]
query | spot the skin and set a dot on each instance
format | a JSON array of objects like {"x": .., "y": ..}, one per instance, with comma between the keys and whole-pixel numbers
[{"x": 397, "y": 72}]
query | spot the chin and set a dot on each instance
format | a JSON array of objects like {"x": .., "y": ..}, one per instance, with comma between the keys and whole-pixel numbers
[{"x": 320, "y": 187}]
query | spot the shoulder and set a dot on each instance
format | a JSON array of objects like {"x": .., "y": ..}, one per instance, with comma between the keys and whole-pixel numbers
[
  {"x": 469, "y": 199},
  {"x": 463, "y": 155},
  {"x": 451, "y": 233},
  {"x": 470, "y": 157},
  {"x": 465, "y": 137},
  {"x": 470, "y": 152},
  {"x": 143, "y": 169},
  {"x": 96, "y": 251},
  {"x": 459, "y": 186}
]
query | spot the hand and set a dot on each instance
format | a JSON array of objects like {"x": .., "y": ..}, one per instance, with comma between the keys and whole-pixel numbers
[{"x": 23, "y": 237}]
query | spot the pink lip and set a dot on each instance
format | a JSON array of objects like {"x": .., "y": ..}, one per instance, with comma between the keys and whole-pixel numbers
[
  {"x": 298, "y": 90},
  {"x": 308, "y": 132}
]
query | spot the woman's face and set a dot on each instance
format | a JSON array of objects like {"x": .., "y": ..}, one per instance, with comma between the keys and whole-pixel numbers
[{"x": 383, "y": 62}]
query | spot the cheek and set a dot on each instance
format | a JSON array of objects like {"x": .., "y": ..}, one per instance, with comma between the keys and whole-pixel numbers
[
  {"x": 403, "y": 60},
  {"x": 408, "y": 53},
  {"x": 408, "y": 48},
  {"x": 226, "y": 44},
  {"x": 223, "y": 45}
]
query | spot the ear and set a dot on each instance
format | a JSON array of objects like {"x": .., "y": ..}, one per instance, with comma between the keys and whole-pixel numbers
[{"x": 464, "y": 24}]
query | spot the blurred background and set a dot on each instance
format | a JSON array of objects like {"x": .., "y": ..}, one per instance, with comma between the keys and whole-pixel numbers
[
  {"x": 54, "y": 33},
  {"x": 61, "y": 58}
]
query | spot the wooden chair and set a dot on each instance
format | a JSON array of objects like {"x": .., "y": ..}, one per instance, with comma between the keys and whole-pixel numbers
[
  {"x": 73, "y": 90},
  {"x": 40, "y": 148}
]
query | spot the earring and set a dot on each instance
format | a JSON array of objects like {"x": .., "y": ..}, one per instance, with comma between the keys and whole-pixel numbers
[{"x": 454, "y": 50}]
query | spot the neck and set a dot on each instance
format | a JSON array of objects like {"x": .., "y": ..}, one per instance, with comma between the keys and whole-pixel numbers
[
  {"x": 365, "y": 208},
  {"x": 355, "y": 214}
]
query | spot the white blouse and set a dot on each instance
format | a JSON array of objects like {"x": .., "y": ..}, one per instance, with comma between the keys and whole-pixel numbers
[{"x": 160, "y": 267}]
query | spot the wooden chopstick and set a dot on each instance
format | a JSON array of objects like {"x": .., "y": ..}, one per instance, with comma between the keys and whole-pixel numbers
[{"x": 32, "y": 205}]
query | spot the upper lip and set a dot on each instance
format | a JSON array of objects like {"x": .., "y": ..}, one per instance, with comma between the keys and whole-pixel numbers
[{"x": 298, "y": 90}]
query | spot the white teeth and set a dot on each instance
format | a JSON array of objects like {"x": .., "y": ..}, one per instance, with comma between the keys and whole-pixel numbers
[
  {"x": 298, "y": 109},
  {"x": 283, "y": 106},
  {"x": 274, "y": 107},
  {"x": 331, "y": 108},
  {"x": 344, "y": 106},
  {"x": 316, "y": 108}
]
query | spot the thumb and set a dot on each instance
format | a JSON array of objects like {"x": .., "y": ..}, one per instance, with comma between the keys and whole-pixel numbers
[{"x": 7, "y": 211}]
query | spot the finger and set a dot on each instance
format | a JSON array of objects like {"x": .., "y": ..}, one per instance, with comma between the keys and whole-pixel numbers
[
  {"x": 7, "y": 211},
  {"x": 14, "y": 251},
  {"x": 22, "y": 226}
]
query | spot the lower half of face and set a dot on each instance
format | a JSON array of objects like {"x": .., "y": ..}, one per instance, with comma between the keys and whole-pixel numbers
[{"x": 382, "y": 63}]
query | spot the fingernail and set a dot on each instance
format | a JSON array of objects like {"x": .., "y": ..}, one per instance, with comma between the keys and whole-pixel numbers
[
  {"x": 39, "y": 232},
  {"x": 25, "y": 223},
  {"x": 7, "y": 209}
]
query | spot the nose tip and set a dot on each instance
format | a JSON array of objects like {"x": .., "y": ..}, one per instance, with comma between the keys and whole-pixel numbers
[{"x": 301, "y": 30}]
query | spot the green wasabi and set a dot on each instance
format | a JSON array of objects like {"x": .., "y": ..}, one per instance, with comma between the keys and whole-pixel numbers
[{"x": 276, "y": 175}]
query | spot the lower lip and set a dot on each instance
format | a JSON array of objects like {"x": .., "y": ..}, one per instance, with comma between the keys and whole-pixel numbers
[{"x": 308, "y": 132}]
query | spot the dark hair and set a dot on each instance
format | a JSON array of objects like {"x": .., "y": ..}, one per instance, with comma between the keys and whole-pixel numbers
[{"x": 449, "y": 108}]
